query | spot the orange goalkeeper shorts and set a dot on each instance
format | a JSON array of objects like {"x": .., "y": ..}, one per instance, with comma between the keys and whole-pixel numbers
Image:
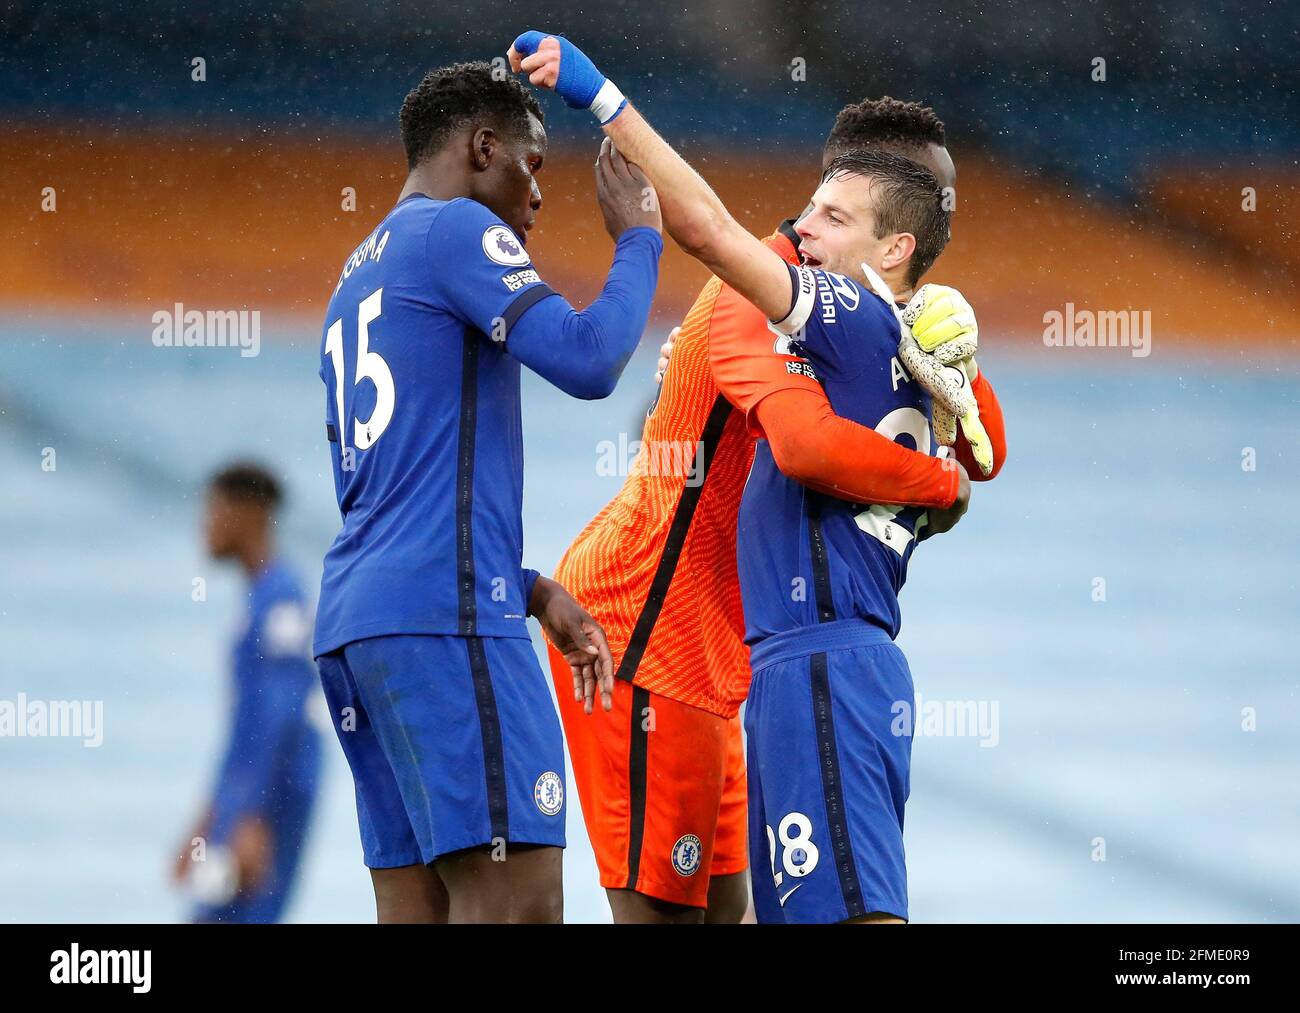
[{"x": 662, "y": 787}]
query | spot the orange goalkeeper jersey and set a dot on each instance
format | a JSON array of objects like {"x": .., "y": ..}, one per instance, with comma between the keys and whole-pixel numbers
[{"x": 657, "y": 566}]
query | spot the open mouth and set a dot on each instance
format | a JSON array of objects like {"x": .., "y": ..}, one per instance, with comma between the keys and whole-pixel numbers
[{"x": 809, "y": 260}]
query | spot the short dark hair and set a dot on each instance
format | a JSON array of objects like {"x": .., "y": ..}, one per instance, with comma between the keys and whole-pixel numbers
[
  {"x": 451, "y": 97},
  {"x": 248, "y": 481},
  {"x": 884, "y": 121},
  {"x": 910, "y": 200}
]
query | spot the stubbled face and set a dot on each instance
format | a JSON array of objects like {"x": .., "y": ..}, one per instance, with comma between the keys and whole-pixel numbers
[
  {"x": 509, "y": 185},
  {"x": 837, "y": 232}
]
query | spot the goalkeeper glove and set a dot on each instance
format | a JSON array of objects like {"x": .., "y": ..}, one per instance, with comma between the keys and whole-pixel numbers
[
  {"x": 940, "y": 337},
  {"x": 943, "y": 323}
]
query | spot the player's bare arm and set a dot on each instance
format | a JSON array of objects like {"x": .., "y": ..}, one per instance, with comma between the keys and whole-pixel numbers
[
  {"x": 699, "y": 222},
  {"x": 692, "y": 213}
]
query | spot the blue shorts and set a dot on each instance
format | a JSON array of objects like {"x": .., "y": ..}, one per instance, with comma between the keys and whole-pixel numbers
[
  {"x": 828, "y": 773},
  {"x": 453, "y": 743}
]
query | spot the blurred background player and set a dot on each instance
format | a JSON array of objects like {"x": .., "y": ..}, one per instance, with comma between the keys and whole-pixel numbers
[
  {"x": 242, "y": 858},
  {"x": 436, "y": 693},
  {"x": 662, "y": 777}
]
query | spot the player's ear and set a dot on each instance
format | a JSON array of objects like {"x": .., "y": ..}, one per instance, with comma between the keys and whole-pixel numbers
[
  {"x": 900, "y": 249},
  {"x": 482, "y": 146}
]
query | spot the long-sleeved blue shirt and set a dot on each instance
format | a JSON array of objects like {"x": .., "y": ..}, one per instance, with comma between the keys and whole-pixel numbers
[{"x": 423, "y": 341}]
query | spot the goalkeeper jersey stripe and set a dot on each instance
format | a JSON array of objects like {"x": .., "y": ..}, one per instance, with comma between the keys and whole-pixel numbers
[{"x": 657, "y": 566}]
